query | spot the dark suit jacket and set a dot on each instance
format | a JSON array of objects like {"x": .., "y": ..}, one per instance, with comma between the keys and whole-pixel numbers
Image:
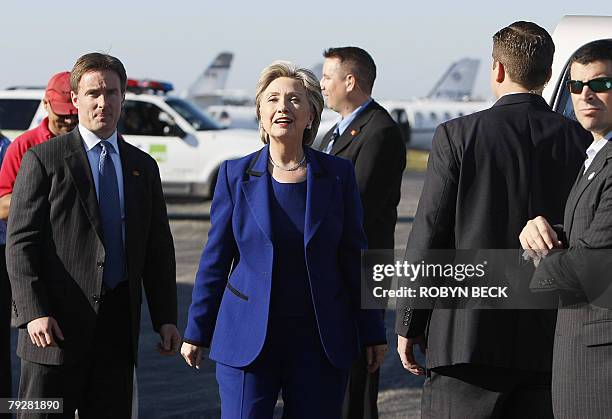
[
  {"x": 373, "y": 142},
  {"x": 582, "y": 364},
  {"x": 231, "y": 314},
  {"x": 55, "y": 252},
  {"x": 488, "y": 174}
]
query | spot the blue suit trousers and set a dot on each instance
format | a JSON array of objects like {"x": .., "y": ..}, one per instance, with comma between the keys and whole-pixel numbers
[{"x": 292, "y": 361}]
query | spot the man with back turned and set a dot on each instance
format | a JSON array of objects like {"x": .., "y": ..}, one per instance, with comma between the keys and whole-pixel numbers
[{"x": 488, "y": 173}]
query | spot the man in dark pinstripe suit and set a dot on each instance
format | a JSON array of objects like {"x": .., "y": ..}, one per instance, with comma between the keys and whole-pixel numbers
[
  {"x": 91, "y": 230},
  {"x": 582, "y": 357}
]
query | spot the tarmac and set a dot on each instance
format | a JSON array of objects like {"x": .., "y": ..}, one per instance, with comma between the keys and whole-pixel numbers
[{"x": 168, "y": 388}]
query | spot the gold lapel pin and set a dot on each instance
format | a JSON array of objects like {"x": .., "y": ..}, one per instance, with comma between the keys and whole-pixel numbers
[
  {"x": 135, "y": 172},
  {"x": 354, "y": 132},
  {"x": 591, "y": 176}
]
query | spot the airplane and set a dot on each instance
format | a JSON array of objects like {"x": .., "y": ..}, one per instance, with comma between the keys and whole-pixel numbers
[
  {"x": 449, "y": 98},
  {"x": 209, "y": 88}
]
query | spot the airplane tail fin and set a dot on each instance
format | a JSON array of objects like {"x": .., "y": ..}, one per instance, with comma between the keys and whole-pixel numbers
[
  {"x": 317, "y": 69},
  {"x": 214, "y": 77},
  {"x": 458, "y": 81}
]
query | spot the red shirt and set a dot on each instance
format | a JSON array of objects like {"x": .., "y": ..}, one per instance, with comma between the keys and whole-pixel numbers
[{"x": 15, "y": 152}]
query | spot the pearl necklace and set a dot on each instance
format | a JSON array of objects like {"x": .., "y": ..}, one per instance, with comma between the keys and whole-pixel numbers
[{"x": 290, "y": 169}]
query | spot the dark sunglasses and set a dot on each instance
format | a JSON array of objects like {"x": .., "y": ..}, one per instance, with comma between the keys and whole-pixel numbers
[{"x": 598, "y": 85}]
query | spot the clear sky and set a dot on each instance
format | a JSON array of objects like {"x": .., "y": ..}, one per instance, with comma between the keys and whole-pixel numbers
[{"x": 412, "y": 42}]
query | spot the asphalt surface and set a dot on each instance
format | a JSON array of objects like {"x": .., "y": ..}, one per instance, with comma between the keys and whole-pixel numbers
[{"x": 167, "y": 388}]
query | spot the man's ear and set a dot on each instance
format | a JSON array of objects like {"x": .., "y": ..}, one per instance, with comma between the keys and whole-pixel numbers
[
  {"x": 45, "y": 104},
  {"x": 500, "y": 72},
  {"x": 548, "y": 76},
  {"x": 350, "y": 82},
  {"x": 75, "y": 101}
]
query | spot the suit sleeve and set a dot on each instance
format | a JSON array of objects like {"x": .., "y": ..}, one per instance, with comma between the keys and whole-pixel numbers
[
  {"x": 584, "y": 268},
  {"x": 159, "y": 278},
  {"x": 434, "y": 223},
  {"x": 215, "y": 264},
  {"x": 24, "y": 245},
  {"x": 370, "y": 323},
  {"x": 382, "y": 158}
]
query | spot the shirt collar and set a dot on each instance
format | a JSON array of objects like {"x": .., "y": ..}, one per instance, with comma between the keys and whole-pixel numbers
[
  {"x": 91, "y": 140},
  {"x": 345, "y": 122},
  {"x": 44, "y": 126},
  {"x": 598, "y": 145}
]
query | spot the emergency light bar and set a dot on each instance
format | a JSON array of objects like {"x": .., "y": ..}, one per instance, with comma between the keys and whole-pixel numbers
[{"x": 148, "y": 86}]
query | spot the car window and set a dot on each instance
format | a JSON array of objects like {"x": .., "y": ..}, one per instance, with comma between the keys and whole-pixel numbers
[
  {"x": 141, "y": 118},
  {"x": 17, "y": 114},
  {"x": 198, "y": 119}
]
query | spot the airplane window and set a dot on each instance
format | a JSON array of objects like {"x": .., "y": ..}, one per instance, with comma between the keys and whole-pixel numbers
[
  {"x": 17, "y": 114},
  {"x": 433, "y": 116},
  {"x": 460, "y": 114},
  {"x": 447, "y": 116},
  {"x": 141, "y": 118},
  {"x": 418, "y": 119}
]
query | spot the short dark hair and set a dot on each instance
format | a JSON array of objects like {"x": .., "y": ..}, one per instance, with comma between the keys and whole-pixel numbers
[
  {"x": 96, "y": 61},
  {"x": 526, "y": 51},
  {"x": 600, "y": 50},
  {"x": 360, "y": 63}
]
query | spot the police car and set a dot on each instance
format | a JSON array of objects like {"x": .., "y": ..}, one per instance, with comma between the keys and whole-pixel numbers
[{"x": 188, "y": 145}]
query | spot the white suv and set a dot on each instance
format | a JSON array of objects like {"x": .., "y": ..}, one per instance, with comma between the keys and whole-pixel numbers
[{"x": 188, "y": 145}]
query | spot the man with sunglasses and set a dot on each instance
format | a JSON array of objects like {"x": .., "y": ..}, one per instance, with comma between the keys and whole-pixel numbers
[
  {"x": 582, "y": 357},
  {"x": 487, "y": 174}
]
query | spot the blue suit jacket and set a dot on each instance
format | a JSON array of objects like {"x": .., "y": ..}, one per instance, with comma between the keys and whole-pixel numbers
[{"x": 231, "y": 296}]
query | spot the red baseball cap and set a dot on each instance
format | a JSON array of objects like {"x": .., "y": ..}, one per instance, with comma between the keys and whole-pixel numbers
[{"x": 58, "y": 94}]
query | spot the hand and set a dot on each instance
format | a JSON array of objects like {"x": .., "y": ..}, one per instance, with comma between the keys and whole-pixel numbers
[
  {"x": 537, "y": 237},
  {"x": 405, "y": 348},
  {"x": 42, "y": 331},
  {"x": 192, "y": 355},
  {"x": 170, "y": 339},
  {"x": 375, "y": 356}
]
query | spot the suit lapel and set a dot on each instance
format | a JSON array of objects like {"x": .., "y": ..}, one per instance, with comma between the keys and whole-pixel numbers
[
  {"x": 352, "y": 132},
  {"x": 327, "y": 138},
  {"x": 78, "y": 165},
  {"x": 257, "y": 192},
  {"x": 131, "y": 193},
  {"x": 583, "y": 182},
  {"x": 318, "y": 195}
]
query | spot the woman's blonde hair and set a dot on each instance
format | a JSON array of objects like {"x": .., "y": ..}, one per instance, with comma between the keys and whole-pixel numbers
[{"x": 313, "y": 92}]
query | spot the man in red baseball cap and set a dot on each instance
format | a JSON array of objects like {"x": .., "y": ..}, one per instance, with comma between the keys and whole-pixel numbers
[{"x": 62, "y": 118}]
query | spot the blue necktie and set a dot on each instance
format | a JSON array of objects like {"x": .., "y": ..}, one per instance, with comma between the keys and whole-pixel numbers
[
  {"x": 110, "y": 212},
  {"x": 332, "y": 139}
]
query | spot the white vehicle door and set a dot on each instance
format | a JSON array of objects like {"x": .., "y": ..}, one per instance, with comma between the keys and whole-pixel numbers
[{"x": 153, "y": 130}]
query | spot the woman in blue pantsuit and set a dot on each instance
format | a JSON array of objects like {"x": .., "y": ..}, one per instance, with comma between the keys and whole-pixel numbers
[{"x": 277, "y": 292}]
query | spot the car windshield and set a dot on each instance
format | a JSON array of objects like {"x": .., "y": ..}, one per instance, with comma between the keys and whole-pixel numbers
[
  {"x": 198, "y": 119},
  {"x": 17, "y": 114}
]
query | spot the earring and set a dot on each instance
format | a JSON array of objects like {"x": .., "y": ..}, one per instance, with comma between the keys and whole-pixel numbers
[
  {"x": 309, "y": 126},
  {"x": 260, "y": 125}
]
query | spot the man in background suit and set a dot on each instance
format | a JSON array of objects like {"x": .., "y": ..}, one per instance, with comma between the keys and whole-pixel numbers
[
  {"x": 5, "y": 302},
  {"x": 582, "y": 356},
  {"x": 92, "y": 230},
  {"x": 368, "y": 137},
  {"x": 487, "y": 174}
]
